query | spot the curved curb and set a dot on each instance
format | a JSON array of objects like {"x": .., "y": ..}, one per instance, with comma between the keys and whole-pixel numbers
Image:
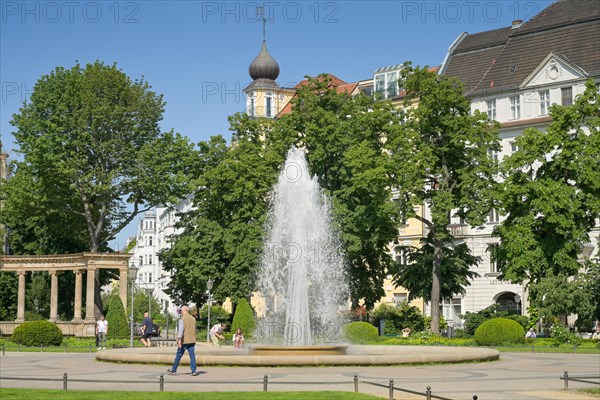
[{"x": 356, "y": 355}]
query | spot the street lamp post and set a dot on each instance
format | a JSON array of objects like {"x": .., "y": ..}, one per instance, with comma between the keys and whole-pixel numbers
[
  {"x": 209, "y": 286},
  {"x": 133, "y": 272}
]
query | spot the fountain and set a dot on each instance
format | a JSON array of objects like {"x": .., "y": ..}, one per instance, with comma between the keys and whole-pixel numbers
[
  {"x": 303, "y": 281},
  {"x": 302, "y": 274}
]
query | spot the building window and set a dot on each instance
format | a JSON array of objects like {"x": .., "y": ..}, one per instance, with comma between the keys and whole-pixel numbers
[
  {"x": 251, "y": 104},
  {"x": 493, "y": 154},
  {"x": 566, "y": 96},
  {"x": 400, "y": 297},
  {"x": 386, "y": 84},
  {"x": 544, "y": 102},
  {"x": 515, "y": 107},
  {"x": 380, "y": 84},
  {"x": 491, "y": 109},
  {"x": 392, "y": 85},
  {"x": 269, "y": 105},
  {"x": 141, "y": 260},
  {"x": 493, "y": 250},
  {"x": 150, "y": 241},
  {"x": 493, "y": 217},
  {"x": 513, "y": 147},
  {"x": 149, "y": 258},
  {"x": 150, "y": 277}
]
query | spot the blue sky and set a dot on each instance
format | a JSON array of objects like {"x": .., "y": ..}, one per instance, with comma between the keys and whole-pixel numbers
[{"x": 197, "y": 53}]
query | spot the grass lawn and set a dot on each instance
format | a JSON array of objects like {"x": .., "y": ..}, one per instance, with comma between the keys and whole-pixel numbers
[
  {"x": 562, "y": 350},
  {"x": 25, "y": 394},
  {"x": 591, "y": 391}
]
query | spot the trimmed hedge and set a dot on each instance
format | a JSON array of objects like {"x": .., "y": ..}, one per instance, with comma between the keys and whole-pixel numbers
[
  {"x": 360, "y": 332},
  {"x": 118, "y": 328},
  {"x": 244, "y": 319},
  {"x": 499, "y": 330},
  {"x": 37, "y": 333}
]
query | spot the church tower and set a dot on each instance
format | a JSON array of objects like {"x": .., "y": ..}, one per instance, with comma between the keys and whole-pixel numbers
[{"x": 264, "y": 97}]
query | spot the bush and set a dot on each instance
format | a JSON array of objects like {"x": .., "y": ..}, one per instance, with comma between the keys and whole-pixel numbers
[
  {"x": 474, "y": 319},
  {"x": 217, "y": 314},
  {"x": 563, "y": 335},
  {"x": 118, "y": 328},
  {"x": 32, "y": 316},
  {"x": 360, "y": 332},
  {"x": 244, "y": 318},
  {"x": 499, "y": 330},
  {"x": 38, "y": 333},
  {"x": 398, "y": 317}
]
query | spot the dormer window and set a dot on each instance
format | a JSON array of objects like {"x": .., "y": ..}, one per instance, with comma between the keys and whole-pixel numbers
[{"x": 386, "y": 82}]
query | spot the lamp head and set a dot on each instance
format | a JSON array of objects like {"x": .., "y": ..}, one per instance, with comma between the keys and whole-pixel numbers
[{"x": 209, "y": 284}]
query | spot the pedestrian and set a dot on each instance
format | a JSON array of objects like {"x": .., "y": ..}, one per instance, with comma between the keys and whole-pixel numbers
[
  {"x": 147, "y": 330},
  {"x": 238, "y": 338},
  {"x": 406, "y": 332},
  {"x": 216, "y": 333},
  {"x": 102, "y": 332},
  {"x": 186, "y": 340}
]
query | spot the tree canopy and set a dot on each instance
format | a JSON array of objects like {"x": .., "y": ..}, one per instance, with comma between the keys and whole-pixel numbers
[{"x": 440, "y": 158}]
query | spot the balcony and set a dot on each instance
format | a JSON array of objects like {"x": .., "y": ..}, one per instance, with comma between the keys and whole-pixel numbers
[{"x": 459, "y": 230}]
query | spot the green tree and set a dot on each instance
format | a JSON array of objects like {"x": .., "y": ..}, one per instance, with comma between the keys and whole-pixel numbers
[
  {"x": 551, "y": 195},
  {"x": 37, "y": 294},
  {"x": 440, "y": 160},
  {"x": 89, "y": 136},
  {"x": 344, "y": 137},
  {"x": 222, "y": 237},
  {"x": 9, "y": 282},
  {"x": 243, "y": 318},
  {"x": 118, "y": 327},
  {"x": 455, "y": 268}
]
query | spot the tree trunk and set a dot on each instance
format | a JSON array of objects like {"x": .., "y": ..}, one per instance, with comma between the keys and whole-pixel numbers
[
  {"x": 436, "y": 286},
  {"x": 98, "y": 307}
]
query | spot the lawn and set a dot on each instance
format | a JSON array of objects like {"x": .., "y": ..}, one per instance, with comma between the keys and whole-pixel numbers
[
  {"x": 25, "y": 394},
  {"x": 595, "y": 392}
]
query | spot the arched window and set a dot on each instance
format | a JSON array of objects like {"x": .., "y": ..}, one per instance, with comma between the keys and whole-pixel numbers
[{"x": 251, "y": 105}]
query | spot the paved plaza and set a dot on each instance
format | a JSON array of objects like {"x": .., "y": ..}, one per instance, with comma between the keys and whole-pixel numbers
[{"x": 515, "y": 376}]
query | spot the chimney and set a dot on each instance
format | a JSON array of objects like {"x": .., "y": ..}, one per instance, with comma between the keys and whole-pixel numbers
[{"x": 517, "y": 23}]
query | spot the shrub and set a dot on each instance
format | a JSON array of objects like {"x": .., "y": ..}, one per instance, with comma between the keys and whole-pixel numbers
[
  {"x": 474, "y": 319},
  {"x": 398, "y": 317},
  {"x": 244, "y": 318},
  {"x": 32, "y": 316},
  {"x": 499, "y": 330},
  {"x": 563, "y": 335},
  {"x": 217, "y": 314},
  {"x": 38, "y": 333},
  {"x": 118, "y": 328},
  {"x": 360, "y": 332}
]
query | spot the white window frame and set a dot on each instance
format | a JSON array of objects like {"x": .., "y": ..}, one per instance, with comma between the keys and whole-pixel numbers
[
  {"x": 515, "y": 107},
  {"x": 491, "y": 109},
  {"x": 544, "y": 102},
  {"x": 269, "y": 105}
]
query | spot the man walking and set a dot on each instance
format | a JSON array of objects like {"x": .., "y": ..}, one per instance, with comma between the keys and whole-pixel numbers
[
  {"x": 101, "y": 332},
  {"x": 147, "y": 330},
  {"x": 186, "y": 340}
]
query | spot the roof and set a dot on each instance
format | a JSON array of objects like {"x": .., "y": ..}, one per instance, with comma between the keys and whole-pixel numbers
[
  {"x": 504, "y": 58},
  {"x": 334, "y": 82}
]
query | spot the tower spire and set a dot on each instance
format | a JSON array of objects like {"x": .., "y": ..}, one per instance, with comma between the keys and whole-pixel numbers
[{"x": 261, "y": 11}]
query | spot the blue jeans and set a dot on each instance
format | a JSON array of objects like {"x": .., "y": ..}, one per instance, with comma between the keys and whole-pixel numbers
[{"x": 180, "y": 350}]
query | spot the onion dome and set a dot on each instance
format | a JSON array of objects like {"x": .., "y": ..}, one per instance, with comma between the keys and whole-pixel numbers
[{"x": 264, "y": 66}]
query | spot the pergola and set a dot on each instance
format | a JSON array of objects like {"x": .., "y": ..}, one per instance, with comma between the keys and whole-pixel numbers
[{"x": 66, "y": 263}]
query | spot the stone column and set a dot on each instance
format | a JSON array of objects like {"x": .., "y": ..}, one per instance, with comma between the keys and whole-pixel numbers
[
  {"x": 53, "y": 296},
  {"x": 21, "y": 297},
  {"x": 90, "y": 294},
  {"x": 123, "y": 288},
  {"x": 77, "y": 314}
]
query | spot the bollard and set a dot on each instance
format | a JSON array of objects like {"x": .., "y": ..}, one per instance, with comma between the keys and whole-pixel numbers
[
  {"x": 428, "y": 392},
  {"x": 475, "y": 397},
  {"x": 391, "y": 394},
  {"x": 19, "y": 348},
  {"x": 65, "y": 381},
  {"x": 575, "y": 349},
  {"x": 90, "y": 348},
  {"x": 566, "y": 378},
  {"x": 532, "y": 347},
  {"x": 265, "y": 382},
  {"x": 161, "y": 383},
  {"x": 66, "y": 348},
  {"x": 3, "y": 350},
  {"x": 355, "y": 383},
  {"x": 41, "y": 348}
]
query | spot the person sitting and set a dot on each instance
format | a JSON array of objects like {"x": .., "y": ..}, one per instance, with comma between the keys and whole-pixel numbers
[
  {"x": 238, "y": 339},
  {"x": 530, "y": 334},
  {"x": 406, "y": 332}
]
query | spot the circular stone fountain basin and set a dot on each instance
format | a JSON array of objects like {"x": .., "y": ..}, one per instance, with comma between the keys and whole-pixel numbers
[{"x": 297, "y": 350}]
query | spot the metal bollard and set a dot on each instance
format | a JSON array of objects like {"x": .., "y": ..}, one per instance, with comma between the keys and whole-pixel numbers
[
  {"x": 356, "y": 383},
  {"x": 3, "y": 350},
  {"x": 65, "y": 381},
  {"x": 66, "y": 348},
  {"x": 428, "y": 392},
  {"x": 475, "y": 397},
  {"x": 265, "y": 382},
  {"x": 532, "y": 347},
  {"x": 161, "y": 383},
  {"x": 391, "y": 394},
  {"x": 566, "y": 378}
]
